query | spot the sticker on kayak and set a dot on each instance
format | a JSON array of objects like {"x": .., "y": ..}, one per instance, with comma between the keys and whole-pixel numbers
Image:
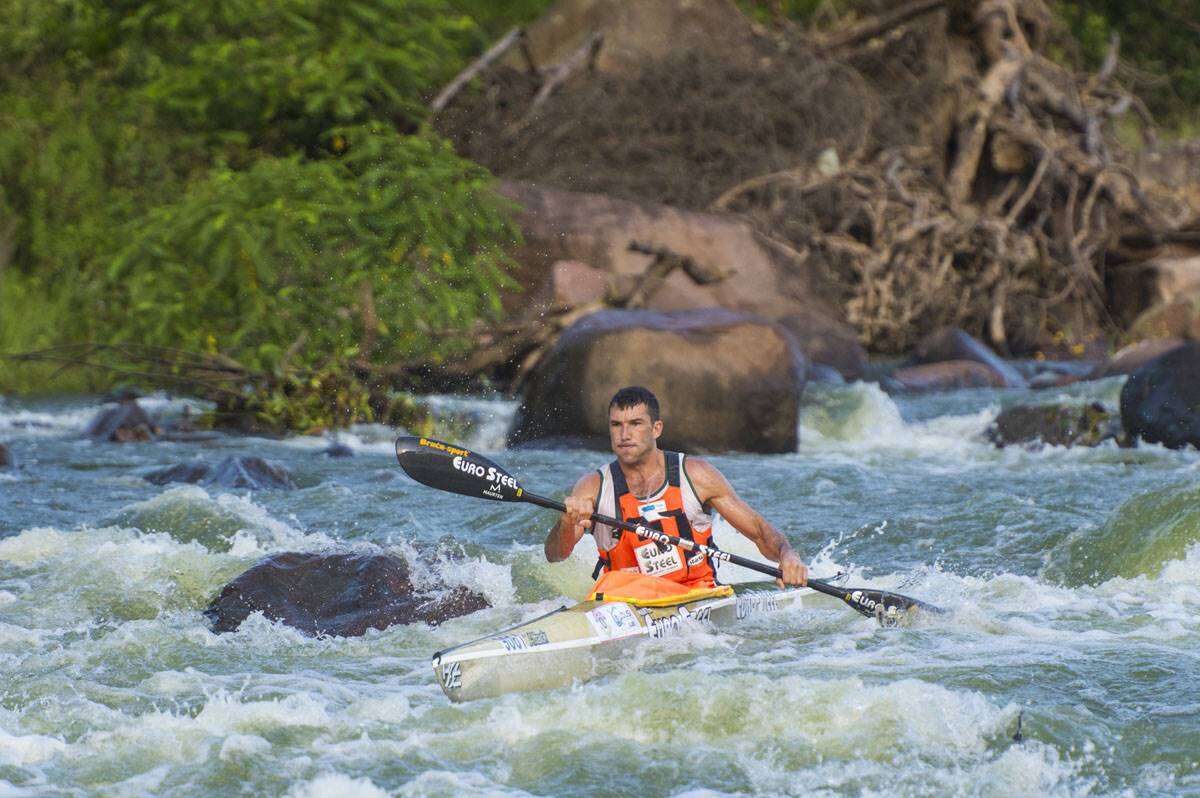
[
  {"x": 653, "y": 562},
  {"x": 613, "y": 620}
]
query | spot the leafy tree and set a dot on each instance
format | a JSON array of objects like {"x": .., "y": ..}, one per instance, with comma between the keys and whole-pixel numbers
[{"x": 248, "y": 176}]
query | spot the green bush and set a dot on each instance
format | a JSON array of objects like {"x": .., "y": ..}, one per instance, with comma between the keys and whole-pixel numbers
[
  {"x": 251, "y": 262},
  {"x": 249, "y": 176}
]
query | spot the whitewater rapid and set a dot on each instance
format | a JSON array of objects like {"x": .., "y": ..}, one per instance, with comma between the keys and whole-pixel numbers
[{"x": 1073, "y": 576}]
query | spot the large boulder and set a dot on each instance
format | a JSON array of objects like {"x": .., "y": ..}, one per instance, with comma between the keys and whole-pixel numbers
[
  {"x": 828, "y": 342},
  {"x": 1131, "y": 358},
  {"x": 1179, "y": 318},
  {"x": 1160, "y": 402},
  {"x": 725, "y": 380},
  {"x": 1158, "y": 281},
  {"x": 124, "y": 422},
  {"x": 952, "y": 343},
  {"x": 596, "y": 230},
  {"x": 335, "y": 594},
  {"x": 1054, "y": 425}
]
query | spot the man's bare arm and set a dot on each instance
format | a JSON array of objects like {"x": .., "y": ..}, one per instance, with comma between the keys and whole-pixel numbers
[
  {"x": 575, "y": 522},
  {"x": 715, "y": 491}
]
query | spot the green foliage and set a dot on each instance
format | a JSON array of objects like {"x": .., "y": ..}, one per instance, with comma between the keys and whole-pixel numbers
[
  {"x": 1161, "y": 39},
  {"x": 248, "y": 177},
  {"x": 250, "y": 262}
]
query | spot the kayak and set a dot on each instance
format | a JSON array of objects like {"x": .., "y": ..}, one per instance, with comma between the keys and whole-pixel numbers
[{"x": 567, "y": 645}]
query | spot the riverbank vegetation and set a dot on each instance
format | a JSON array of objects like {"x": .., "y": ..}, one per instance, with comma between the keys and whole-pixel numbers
[{"x": 260, "y": 183}]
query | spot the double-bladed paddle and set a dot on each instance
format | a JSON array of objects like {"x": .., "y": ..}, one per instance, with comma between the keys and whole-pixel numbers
[{"x": 452, "y": 468}]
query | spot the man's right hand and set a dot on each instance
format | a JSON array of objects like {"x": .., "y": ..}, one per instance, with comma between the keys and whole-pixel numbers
[{"x": 578, "y": 515}]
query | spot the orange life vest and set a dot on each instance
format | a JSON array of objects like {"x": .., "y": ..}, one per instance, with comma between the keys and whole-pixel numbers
[{"x": 665, "y": 512}]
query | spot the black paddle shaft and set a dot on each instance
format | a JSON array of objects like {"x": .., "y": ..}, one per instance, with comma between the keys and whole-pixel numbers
[
  {"x": 871, "y": 606},
  {"x": 452, "y": 468}
]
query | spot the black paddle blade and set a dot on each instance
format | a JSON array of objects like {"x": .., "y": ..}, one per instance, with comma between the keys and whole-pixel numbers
[
  {"x": 890, "y": 609},
  {"x": 452, "y": 468}
]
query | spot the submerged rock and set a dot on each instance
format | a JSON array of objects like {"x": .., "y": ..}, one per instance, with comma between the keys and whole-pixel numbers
[
  {"x": 335, "y": 594},
  {"x": 252, "y": 473},
  {"x": 337, "y": 449},
  {"x": 6, "y": 460},
  {"x": 945, "y": 376},
  {"x": 191, "y": 473},
  {"x": 124, "y": 423},
  {"x": 725, "y": 380},
  {"x": 1160, "y": 402},
  {"x": 1054, "y": 425}
]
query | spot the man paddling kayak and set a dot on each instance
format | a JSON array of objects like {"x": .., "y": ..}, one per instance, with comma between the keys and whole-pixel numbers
[{"x": 664, "y": 490}]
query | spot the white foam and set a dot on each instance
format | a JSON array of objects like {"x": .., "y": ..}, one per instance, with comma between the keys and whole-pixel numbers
[
  {"x": 336, "y": 785},
  {"x": 29, "y": 749}
]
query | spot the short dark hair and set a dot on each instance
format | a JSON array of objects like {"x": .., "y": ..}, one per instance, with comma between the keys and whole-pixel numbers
[{"x": 635, "y": 395}]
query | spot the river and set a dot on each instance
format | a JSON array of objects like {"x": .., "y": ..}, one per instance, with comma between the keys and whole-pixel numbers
[{"x": 1073, "y": 576}]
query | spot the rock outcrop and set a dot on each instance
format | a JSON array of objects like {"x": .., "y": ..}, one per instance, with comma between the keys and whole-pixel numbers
[
  {"x": 1054, "y": 425},
  {"x": 945, "y": 376},
  {"x": 123, "y": 423},
  {"x": 951, "y": 343},
  {"x": 335, "y": 594},
  {"x": 251, "y": 473},
  {"x": 725, "y": 380},
  {"x": 1160, "y": 402}
]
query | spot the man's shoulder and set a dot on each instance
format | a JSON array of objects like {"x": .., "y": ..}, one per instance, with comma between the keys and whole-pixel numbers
[
  {"x": 703, "y": 475},
  {"x": 588, "y": 483}
]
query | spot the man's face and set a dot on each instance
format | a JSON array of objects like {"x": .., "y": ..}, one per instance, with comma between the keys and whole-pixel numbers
[{"x": 632, "y": 433}]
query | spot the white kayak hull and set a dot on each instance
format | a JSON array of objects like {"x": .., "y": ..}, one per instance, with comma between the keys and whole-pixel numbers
[{"x": 566, "y": 645}]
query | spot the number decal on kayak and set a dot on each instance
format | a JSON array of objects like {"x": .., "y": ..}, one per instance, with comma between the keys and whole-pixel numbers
[
  {"x": 452, "y": 676},
  {"x": 613, "y": 620}
]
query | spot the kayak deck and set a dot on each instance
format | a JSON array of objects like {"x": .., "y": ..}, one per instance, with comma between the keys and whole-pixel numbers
[{"x": 566, "y": 645}]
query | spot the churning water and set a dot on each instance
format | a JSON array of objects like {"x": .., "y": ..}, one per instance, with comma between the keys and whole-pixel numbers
[{"x": 1074, "y": 576}]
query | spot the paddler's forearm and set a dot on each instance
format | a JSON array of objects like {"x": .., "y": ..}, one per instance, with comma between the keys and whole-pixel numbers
[
  {"x": 561, "y": 541},
  {"x": 770, "y": 541}
]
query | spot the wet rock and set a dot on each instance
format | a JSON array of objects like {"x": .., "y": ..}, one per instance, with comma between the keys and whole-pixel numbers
[
  {"x": 951, "y": 343},
  {"x": 190, "y": 473},
  {"x": 725, "y": 380},
  {"x": 335, "y": 594},
  {"x": 6, "y": 460},
  {"x": 1133, "y": 357},
  {"x": 253, "y": 473},
  {"x": 1054, "y": 425},
  {"x": 124, "y": 423},
  {"x": 945, "y": 376},
  {"x": 826, "y": 375},
  {"x": 828, "y": 342},
  {"x": 1160, "y": 402},
  {"x": 337, "y": 449}
]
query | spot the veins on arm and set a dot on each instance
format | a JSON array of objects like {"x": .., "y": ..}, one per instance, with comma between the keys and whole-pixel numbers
[{"x": 714, "y": 490}]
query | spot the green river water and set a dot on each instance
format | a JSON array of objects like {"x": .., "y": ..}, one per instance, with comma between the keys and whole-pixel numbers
[{"x": 1074, "y": 576}]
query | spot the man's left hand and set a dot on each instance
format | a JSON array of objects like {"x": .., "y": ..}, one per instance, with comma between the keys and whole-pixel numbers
[{"x": 795, "y": 572}]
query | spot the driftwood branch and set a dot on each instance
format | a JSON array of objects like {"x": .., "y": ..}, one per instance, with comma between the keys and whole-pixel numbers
[
  {"x": 478, "y": 65},
  {"x": 584, "y": 56},
  {"x": 877, "y": 26}
]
